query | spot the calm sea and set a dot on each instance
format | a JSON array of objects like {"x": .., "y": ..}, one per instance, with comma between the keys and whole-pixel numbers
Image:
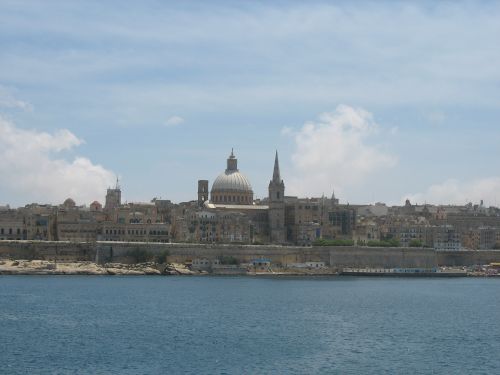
[{"x": 244, "y": 325}]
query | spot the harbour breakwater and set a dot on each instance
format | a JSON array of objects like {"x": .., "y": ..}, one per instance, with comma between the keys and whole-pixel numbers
[{"x": 332, "y": 256}]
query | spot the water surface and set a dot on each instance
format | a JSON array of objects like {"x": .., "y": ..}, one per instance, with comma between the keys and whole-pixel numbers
[{"x": 245, "y": 325}]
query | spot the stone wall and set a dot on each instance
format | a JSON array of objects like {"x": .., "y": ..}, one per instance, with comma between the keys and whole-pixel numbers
[
  {"x": 466, "y": 258},
  {"x": 48, "y": 250},
  {"x": 337, "y": 256},
  {"x": 349, "y": 256},
  {"x": 374, "y": 257},
  {"x": 119, "y": 252}
]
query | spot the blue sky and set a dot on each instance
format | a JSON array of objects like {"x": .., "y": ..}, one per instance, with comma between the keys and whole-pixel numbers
[{"x": 377, "y": 100}]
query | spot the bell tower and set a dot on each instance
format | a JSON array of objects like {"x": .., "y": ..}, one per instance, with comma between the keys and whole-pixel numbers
[
  {"x": 113, "y": 197},
  {"x": 277, "y": 205},
  {"x": 202, "y": 192}
]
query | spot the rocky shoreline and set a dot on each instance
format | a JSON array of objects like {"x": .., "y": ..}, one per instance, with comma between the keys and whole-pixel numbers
[{"x": 41, "y": 267}]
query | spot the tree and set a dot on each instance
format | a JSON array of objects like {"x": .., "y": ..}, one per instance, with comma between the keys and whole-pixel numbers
[
  {"x": 338, "y": 242},
  {"x": 416, "y": 243}
]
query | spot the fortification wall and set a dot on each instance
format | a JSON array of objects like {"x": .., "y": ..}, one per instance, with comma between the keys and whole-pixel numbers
[
  {"x": 373, "y": 257},
  {"x": 466, "y": 258},
  {"x": 48, "y": 250},
  {"x": 120, "y": 251},
  {"x": 335, "y": 256},
  {"x": 348, "y": 256}
]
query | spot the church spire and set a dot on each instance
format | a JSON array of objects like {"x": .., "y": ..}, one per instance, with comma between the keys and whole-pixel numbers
[
  {"x": 276, "y": 172},
  {"x": 277, "y": 205}
]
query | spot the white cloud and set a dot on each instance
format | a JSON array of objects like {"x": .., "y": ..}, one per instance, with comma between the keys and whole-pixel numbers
[
  {"x": 31, "y": 172},
  {"x": 335, "y": 153},
  {"x": 7, "y": 100},
  {"x": 174, "y": 121},
  {"x": 453, "y": 191}
]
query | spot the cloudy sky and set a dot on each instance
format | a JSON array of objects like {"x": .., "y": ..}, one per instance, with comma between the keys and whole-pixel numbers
[{"x": 378, "y": 100}]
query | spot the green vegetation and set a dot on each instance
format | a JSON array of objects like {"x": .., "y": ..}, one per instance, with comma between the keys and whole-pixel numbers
[
  {"x": 416, "y": 243},
  {"x": 323, "y": 242},
  {"x": 383, "y": 243}
]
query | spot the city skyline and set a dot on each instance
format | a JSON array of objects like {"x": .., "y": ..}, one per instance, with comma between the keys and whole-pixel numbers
[{"x": 159, "y": 94}]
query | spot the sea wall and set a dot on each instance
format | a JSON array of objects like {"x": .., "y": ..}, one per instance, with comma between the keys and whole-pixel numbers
[
  {"x": 466, "y": 258},
  {"x": 48, "y": 250},
  {"x": 120, "y": 252},
  {"x": 375, "y": 257},
  {"x": 342, "y": 256}
]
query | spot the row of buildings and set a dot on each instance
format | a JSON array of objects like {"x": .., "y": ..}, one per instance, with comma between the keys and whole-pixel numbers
[{"x": 228, "y": 213}]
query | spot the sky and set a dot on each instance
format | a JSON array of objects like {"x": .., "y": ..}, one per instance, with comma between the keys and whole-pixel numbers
[{"x": 379, "y": 101}]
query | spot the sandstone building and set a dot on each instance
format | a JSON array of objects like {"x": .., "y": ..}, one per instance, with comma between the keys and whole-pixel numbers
[{"x": 228, "y": 212}]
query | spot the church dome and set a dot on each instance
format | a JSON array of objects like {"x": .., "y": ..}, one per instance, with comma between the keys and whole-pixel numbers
[
  {"x": 69, "y": 203},
  {"x": 95, "y": 206},
  {"x": 232, "y": 186},
  {"x": 232, "y": 181}
]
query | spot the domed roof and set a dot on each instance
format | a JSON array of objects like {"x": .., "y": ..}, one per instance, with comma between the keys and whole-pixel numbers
[
  {"x": 69, "y": 203},
  {"x": 232, "y": 181},
  {"x": 95, "y": 206}
]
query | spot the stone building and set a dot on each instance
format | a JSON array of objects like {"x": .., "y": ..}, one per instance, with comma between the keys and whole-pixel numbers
[
  {"x": 227, "y": 212},
  {"x": 12, "y": 225},
  {"x": 277, "y": 219},
  {"x": 231, "y": 214},
  {"x": 446, "y": 238},
  {"x": 113, "y": 197}
]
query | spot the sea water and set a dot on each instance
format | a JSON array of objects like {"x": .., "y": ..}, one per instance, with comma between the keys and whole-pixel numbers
[{"x": 248, "y": 325}]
